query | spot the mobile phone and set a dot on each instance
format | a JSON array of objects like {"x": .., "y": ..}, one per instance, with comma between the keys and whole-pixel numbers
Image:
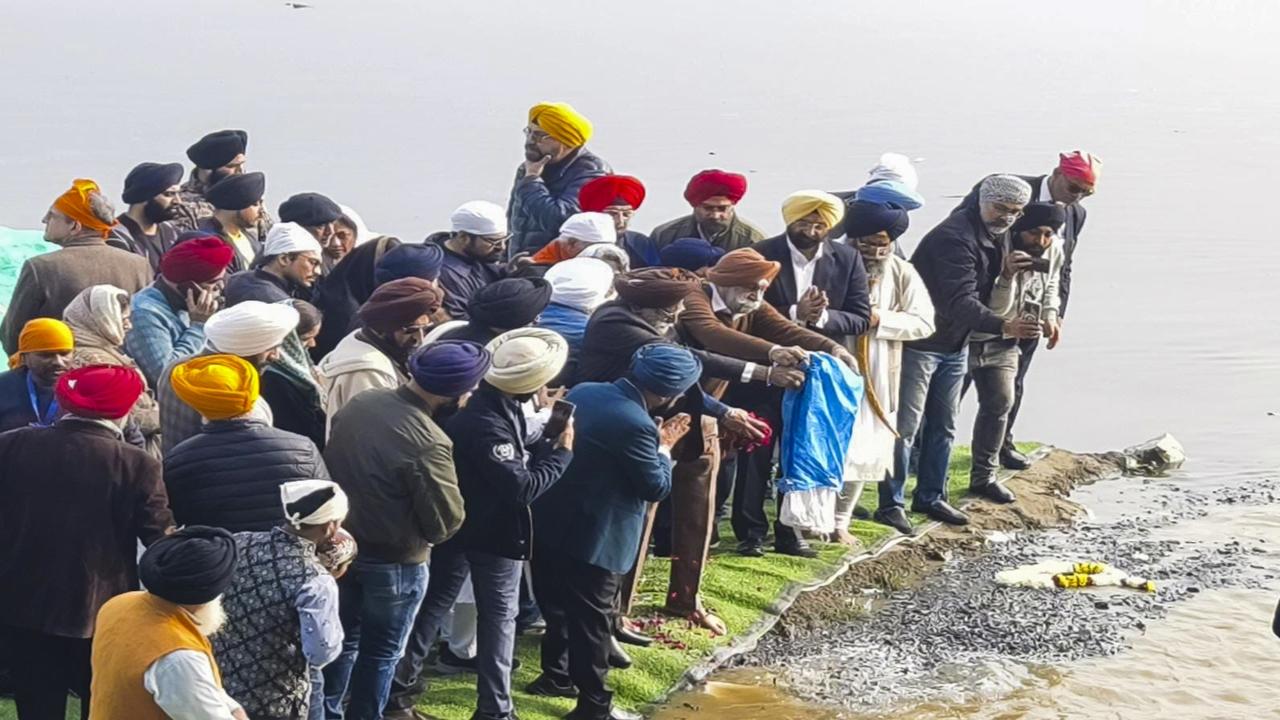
[
  {"x": 1040, "y": 264},
  {"x": 561, "y": 413},
  {"x": 1031, "y": 310}
]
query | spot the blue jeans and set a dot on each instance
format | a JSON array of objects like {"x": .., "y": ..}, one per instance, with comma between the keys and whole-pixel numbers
[
  {"x": 378, "y": 604},
  {"x": 929, "y": 393}
]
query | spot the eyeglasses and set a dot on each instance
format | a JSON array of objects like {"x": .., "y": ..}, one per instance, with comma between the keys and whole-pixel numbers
[
  {"x": 1007, "y": 209},
  {"x": 492, "y": 240},
  {"x": 536, "y": 135},
  {"x": 811, "y": 226}
]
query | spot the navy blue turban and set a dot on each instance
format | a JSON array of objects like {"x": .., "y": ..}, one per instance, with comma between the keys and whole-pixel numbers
[
  {"x": 149, "y": 180},
  {"x": 449, "y": 368},
  {"x": 691, "y": 253},
  {"x": 509, "y": 303},
  {"x": 218, "y": 148},
  {"x": 1041, "y": 215},
  {"x": 665, "y": 369},
  {"x": 309, "y": 210},
  {"x": 237, "y": 192},
  {"x": 864, "y": 218},
  {"x": 409, "y": 260},
  {"x": 191, "y": 566}
]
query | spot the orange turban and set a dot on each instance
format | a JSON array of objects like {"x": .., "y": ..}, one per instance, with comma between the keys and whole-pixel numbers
[
  {"x": 42, "y": 335},
  {"x": 217, "y": 386},
  {"x": 743, "y": 268},
  {"x": 74, "y": 203},
  {"x": 562, "y": 122}
]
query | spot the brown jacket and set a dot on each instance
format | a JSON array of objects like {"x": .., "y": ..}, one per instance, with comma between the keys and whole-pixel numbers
[
  {"x": 749, "y": 337},
  {"x": 49, "y": 282}
]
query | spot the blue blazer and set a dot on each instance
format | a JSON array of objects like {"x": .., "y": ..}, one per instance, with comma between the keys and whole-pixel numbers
[{"x": 595, "y": 513}]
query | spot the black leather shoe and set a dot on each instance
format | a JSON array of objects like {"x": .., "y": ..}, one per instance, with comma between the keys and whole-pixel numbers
[
  {"x": 1014, "y": 460},
  {"x": 547, "y": 687},
  {"x": 751, "y": 548},
  {"x": 614, "y": 714},
  {"x": 861, "y": 513},
  {"x": 631, "y": 637},
  {"x": 896, "y": 518},
  {"x": 799, "y": 548},
  {"x": 993, "y": 492},
  {"x": 941, "y": 511},
  {"x": 618, "y": 658}
]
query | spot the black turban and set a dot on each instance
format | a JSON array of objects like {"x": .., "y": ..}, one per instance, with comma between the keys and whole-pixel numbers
[
  {"x": 309, "y": 210},
  {"x": 149, "y": 180},
  {"x": 864, "y": 218},
  {"x": 190, "y": 567},
  {"x": 237, "y": 192},
  {"x": 1041, "y": 215},
  {"x": 509, "y": 303},
  {"x": 218, "y": 148}
]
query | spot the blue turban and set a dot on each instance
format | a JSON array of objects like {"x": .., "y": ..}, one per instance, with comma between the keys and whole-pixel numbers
[
  {"x": 449, "y": 368},
  {"x": 665, "y": 369},
  {"x": 691, "y": 253},
  {"x": 409, "y": 260},
  {"x": 890, "y": 192},
  {"x": 868, "y": 218}
]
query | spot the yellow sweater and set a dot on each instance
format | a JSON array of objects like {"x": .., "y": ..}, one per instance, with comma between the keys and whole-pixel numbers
[{"x": 133, "y": 631}]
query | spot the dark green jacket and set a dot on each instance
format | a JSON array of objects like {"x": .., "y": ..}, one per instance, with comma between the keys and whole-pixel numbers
[{"x": 740, "y": 233}]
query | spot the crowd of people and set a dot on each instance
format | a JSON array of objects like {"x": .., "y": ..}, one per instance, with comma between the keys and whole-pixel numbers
[{"x": 349, "y": 457}]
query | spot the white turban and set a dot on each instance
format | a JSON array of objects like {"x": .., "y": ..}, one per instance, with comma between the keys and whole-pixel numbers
[
  {"x": 895, "y": 168},
  {"x": 590, "y": 227},
  {"x": 250, "y": 328},
  {"x": 313, "y": 502},
  {"x": 363, "y": 235},
  {"x": 601, "y": 251},
  {"x": 581, "y": 283},
  {"x": 287, "y": 237},
  {"x": 479, "y": 217},
  {"x": 525, "y": 359}
]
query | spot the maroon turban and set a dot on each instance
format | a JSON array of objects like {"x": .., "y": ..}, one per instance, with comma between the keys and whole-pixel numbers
[
  {"x": 655, "y": 287},
  {"x": 99, "y": 391},
  {"x": 398, "y": 303},
  {"x": 607, "y": 190},
  {"x": 710, "y": 183},
  {"x": 198, "y": 260}
]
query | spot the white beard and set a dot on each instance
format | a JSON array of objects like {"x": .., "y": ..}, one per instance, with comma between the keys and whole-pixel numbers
[{"x": 210, "y": 617}]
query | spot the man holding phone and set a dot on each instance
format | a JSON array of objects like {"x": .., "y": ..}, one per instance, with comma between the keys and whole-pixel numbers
[{"x": 1026, "y": 296}]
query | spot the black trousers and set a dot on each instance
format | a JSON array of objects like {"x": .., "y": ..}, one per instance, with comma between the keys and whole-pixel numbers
[
  {"x": 577, "y": 601},
  {"x": 1028, "y": 348},
  {"x": 753, "y": 479},
  {"x": 45, "y": 668}
]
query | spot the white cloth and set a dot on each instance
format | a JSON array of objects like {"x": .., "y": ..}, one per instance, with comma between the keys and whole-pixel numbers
[
  {"x": 353, "y": 367},
  {"x": 581, "y": 283},
  {"x": 250, "y": 328},
  {"x": 525, "y": 359},
  {"x": 363, "y": 234},
  {"x": 600, "y": 251},
  {"x": 479, "y": 217},
  {"x": 183, "y": 686},
  {"x": 1045, "y": 195},
  {"x": 590, "y": 227},
  {"x": 802, "y": 269},
  {"x": 894, "y": 167},
  {"x": 812, "y": 510},
  {"x": 288, "y": 237},
  {"x": 335, "y": 508}
]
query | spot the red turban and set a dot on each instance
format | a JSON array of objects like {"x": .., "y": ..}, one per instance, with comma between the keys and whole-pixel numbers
[
  {"x": 198, "y": 260},
  {"x": 1083, "y": 166},
  {"x": 743, "y": 267},
  {"x": 608, "y": 190},
  {"x": 99, "y": 391},
  {"x": 710, "y": 183}
]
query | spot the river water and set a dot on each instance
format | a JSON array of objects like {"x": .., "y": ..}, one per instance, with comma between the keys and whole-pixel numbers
[{"x": 404, "y": 109}]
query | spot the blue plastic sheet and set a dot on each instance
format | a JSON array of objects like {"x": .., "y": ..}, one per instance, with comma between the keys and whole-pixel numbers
[
  {"x": 15, "y": 247},
  {"x": 817, "y": 426}
]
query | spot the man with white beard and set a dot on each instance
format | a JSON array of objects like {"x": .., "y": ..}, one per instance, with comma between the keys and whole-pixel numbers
[
  {"x": 151, "y": 655},
  {"x": 900, "y": 311}
]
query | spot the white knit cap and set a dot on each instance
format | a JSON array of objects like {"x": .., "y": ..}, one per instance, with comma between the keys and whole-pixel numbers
[
  {"x": 580, "y": 283},
  {"x": 590, "y": 227},
  {"x": 479, "y": 217},
  {"x": 328, "y": 504},
  {"x": 287, "y": 237},
  {"x": 525, "y": 359},
  {"x": 250, "y": 328}
]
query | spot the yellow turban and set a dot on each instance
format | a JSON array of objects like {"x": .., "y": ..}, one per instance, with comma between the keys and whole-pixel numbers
[
  {"x": 217, "y": 386},
  {"x": 798, "y": 204},
  {"x": 562, "y": 122},
  {"x": 42, "y": 335}
]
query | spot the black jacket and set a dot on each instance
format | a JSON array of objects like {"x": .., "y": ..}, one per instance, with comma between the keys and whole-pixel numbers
[
  {"x": 538, "y": 207},
  {"x": 959, "y": 263},
  {"x": 1076, "y": 215},
  {"x": 212, "y": 226},
  {"x": 340, "y": 294},
  {"x": 497, "y": 483},
  {"x": 229, "y": 475},
  {"x": 840, "y": 273},
  {"x": 262, "y": 286},
  {"x": 295, "y": 404},
  {"x": 461, "y": 276}
]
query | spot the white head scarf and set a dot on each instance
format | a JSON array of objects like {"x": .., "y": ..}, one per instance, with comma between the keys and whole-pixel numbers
[
  {"x": 581, "y": 283},
  {"x": 590, "y": 227},
  {"x": 296, "y": 493},
  {"x": 601, "y": 251},
  {"x": 287, "y": 237},
  {"x": 363, "y": 234},
  {"x": 250, "y": 328},
  {"x": 896, "y": 168},
  {"x": 96, "y": 316},
  {"x": 479, "y": 217},
  {"x": 525, "y": 359}
]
